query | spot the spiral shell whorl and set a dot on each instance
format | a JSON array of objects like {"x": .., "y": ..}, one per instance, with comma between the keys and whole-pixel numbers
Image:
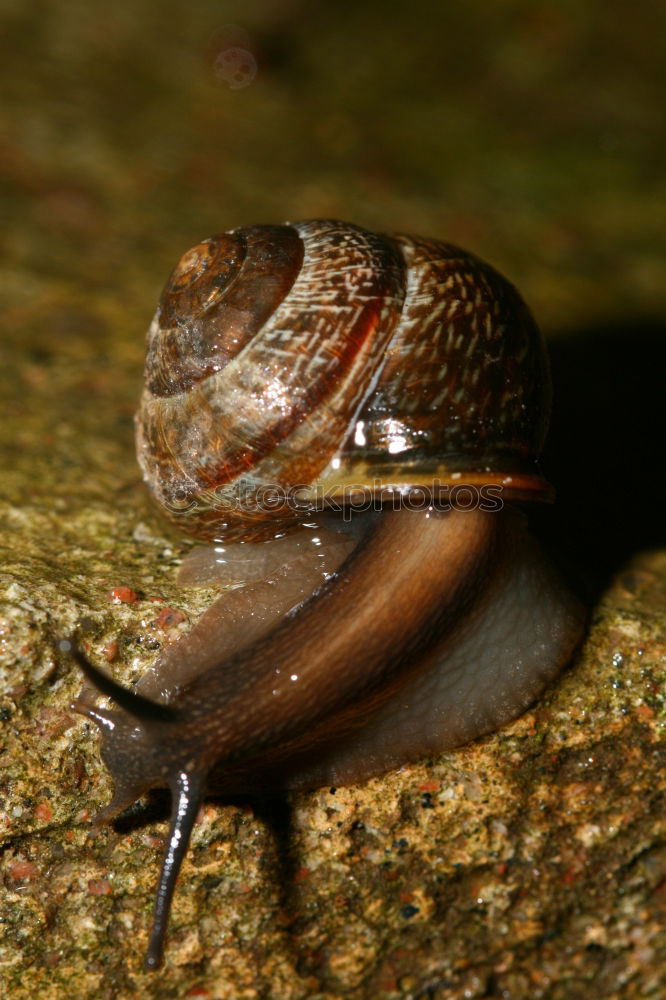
[{"x": 323, "y": 356}]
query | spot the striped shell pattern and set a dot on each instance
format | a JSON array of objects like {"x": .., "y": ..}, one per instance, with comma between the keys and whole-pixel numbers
[{"x": 304, "y": 365}]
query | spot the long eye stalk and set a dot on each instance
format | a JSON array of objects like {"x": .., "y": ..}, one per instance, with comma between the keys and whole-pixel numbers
[{"x": 187, "y": 793}]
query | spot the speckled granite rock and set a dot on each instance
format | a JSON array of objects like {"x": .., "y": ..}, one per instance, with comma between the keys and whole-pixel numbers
[{"x": 530, "y": 864}]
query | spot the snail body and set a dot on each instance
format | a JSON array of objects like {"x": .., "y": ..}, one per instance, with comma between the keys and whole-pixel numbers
[{"x": 317, "y": 367}]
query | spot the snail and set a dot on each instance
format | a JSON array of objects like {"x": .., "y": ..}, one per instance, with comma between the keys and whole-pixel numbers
[{"x": 300, "y": 374}]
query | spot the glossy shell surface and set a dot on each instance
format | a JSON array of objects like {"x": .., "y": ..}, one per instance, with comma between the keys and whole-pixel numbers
[{"x": 291, "y": 367}]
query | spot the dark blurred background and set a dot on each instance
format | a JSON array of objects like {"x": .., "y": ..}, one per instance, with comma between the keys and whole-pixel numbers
[{"x": 529, "y": 132}]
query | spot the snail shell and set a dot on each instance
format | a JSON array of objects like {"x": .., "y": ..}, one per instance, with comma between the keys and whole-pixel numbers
[
  {"x": 290, "y": 367},
  {"x": 296, "y": 368}
]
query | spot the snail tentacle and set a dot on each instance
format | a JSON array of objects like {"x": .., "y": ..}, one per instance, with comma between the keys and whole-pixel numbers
[
  {"x": 187, "y": 796},
  {"x": 138, "y": 706}
]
